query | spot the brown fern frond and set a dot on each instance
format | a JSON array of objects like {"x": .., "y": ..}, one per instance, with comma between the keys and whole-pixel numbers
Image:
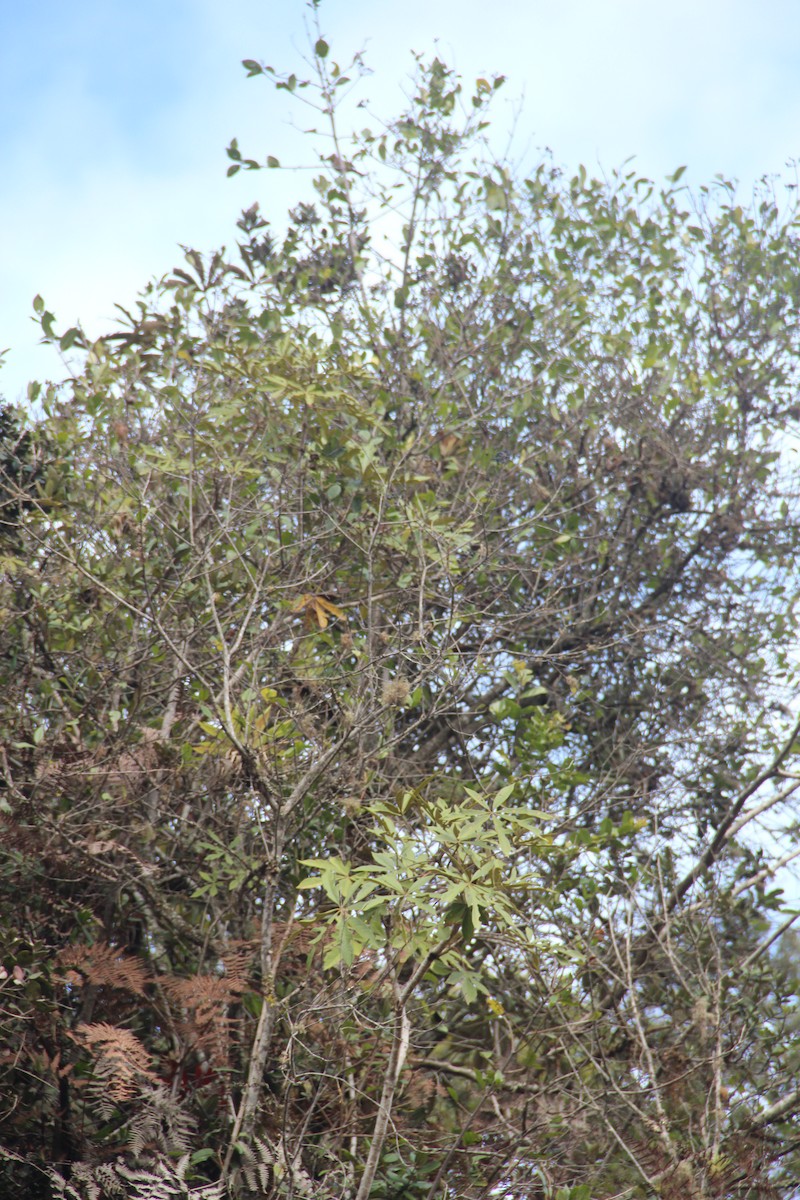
[
  {"x": 204, "y": 1001},
  {"x": 103, "y": 966},
  {"x": 237, "y": 962},
  {"x": 420, "y": 1089},
  {"x": 200, "y": 992},
  {"x": 122, "y": 1062}
]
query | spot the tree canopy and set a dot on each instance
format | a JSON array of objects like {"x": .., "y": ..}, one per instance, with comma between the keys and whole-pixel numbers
[{"x": 398, "y": 674}]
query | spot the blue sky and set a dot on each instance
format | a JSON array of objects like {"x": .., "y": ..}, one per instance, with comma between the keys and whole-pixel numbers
[{"x": 114, "y": 117}]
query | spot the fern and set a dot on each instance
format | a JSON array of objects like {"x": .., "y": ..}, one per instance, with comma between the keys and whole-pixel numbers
[
  {"x": 163, "y": 1181},
  {"x": 122, "y": 1062},
  {"x": 88, "y": 1183},
  {"x": 204, "y": 1001},
  {"x": 167, "y": 1181},
  {"x": 258, "y": 1167},
  {"x": 237, "y": 961},
  {"x": 103, "y": 966},
  {"x": 162, "y": 1124}
]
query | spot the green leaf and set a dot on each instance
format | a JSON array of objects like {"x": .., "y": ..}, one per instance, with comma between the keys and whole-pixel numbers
[
  {"x": 496, "y": 199},
  {"x": 469, "y": 989},
  {"x": 347, "y": 947},
  {"x": 502, "y": 838},
  {"x": 203, "y": 1155},
  {"x": 321, "y": 48},
  {"x": 69, "y": 339}
]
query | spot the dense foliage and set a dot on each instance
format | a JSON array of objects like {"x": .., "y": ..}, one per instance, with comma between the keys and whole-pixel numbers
[{"x": 398, "y": 660}]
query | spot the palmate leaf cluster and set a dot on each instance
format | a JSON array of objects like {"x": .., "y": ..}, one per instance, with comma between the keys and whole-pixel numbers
[{"x": 398, "y": 682}]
